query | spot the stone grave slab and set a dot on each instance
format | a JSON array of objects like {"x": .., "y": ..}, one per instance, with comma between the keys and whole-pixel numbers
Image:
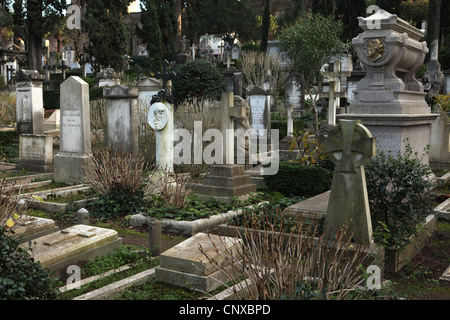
[
  {"x": 29, "y": 228},
  {"x": 186, "y": 266},
  {"x": 72, "y": 245},
  {"x": 315, "y": 207},
  {"x": 446, "y": 275}
]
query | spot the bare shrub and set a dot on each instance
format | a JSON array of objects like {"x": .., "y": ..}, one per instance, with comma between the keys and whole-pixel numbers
[
  {"x": 7, "y": 108},
  {"x": 256, "y": 65},
  {"x": 10, "y": 208},
  {"x": 174, "y": 188},
  {"x": 291, "y": 261},
  {"x": 111, "y": 171}
]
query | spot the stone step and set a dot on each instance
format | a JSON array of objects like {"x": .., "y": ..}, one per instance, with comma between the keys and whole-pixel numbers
[
  {"x": 226, "y": 182},
  {"x": 227, "y": 170},
  {"x": 225, "y": 192}
]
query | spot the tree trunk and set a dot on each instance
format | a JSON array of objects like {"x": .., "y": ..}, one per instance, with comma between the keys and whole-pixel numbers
[
  {"x": 34, "y": 51},
  {"x": 306, "y": 5}
]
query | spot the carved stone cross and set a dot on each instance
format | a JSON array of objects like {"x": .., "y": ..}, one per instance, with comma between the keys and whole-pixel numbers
[
  {"x": 165, "y": 76},
  {"x": 349, "y": 146}
]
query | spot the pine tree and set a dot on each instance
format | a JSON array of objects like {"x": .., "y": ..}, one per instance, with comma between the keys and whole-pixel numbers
[
  {"x": 265, "y": 26},
  {"x": 151, "y": 34}
]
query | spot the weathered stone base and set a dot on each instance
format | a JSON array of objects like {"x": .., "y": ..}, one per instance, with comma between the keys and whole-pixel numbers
[
  {"x": 225, "y": 182},
  {"x": 186, "y": 266},
  {"x": 35, "y": 153},
  {"x": 68, "y": 168},
  {"x": 391, "y": 130}
]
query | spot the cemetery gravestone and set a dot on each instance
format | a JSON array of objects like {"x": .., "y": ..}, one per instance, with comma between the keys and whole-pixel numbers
[
  {"x": 35, "y": 152},
  {"x": 122, "y": 118},
  {"x": 108, "y": 77},
  {"x": 235, "y": 51},
  {"x": 349, "y": 146},
  {"x": 75, "y": 135},
  {"x": 389, "y": 100},
  {"x": 260, "y": 117},
  {"x": 186, "y": 266},
  {"x": 293, "y": 92},
  {"x": 161, "y": 119},
  {"x": 227, "y": 180},
  {"x": 58, "y": 250},
  {"x": 29, "y": 102}
]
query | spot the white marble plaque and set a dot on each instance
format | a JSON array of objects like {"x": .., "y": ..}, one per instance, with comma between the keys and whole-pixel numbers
[
  {"x": 257, "y": 107},
  {"x": 72, "y": 135}
]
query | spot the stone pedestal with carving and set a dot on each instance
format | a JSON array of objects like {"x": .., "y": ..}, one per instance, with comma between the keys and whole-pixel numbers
[
  {"x": 389, "y": 100},
  {"x": 29, "y": 102}
]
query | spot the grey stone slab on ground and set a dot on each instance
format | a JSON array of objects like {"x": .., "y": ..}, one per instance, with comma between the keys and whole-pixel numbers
[{"x": 186, "y": 266}]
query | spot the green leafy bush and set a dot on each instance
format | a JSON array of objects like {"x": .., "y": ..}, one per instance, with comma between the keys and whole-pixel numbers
[
  {"x": 21, "y": 278},
  {"x": 297, "y": 180},
  {"x": 9, "y": 147},
  {"x": 198, "y": 79},
  {"x": 399, "y": 196}
]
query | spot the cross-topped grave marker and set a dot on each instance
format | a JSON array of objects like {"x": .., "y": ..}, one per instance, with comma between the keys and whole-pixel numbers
[
  {"x": 165, "y": 76},
  {"x": 349, "y": 146}
]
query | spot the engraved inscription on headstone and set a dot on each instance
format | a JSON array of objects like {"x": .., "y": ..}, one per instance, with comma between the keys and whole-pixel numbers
[{"x": 257, "y": 107}]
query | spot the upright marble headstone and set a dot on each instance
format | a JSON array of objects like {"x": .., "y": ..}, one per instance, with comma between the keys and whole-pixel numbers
[
  {"x": 75, "y": 133},
  {"x": 29, "y": 102},
  {"x": 122, "y": 118},
  {"x": 292, "y": 95},
  {"x": 235, "y": 51},
  {"x": 349, "y": 146},
  {"x": 259, "y": 102}
]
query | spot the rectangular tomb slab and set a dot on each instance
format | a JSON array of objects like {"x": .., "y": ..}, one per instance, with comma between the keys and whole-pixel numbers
[
  {"x": 28, "y": 228},
  {"x": 186, "y": 266},
  {"x": 52, "y": 249}
]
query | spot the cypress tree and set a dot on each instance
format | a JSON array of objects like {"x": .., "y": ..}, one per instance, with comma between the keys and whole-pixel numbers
[
  {"x": 265, "y": 26},
  {"x": 107, "y": 32},
  {"x": 151, "y": 34}
]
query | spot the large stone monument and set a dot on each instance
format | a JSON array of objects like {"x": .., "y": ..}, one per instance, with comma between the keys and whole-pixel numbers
[
  {"x": 75, "y": 143},
  {"x": 389, "y": 100},
  {"x": 349, "y": 146}
]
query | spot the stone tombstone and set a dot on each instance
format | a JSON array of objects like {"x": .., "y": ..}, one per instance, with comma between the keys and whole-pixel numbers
[
  {"x": 35, "y": 152},
  {"x": 235, "y": 51},
  {"x": 147, "y": 87},
  {"x": 122, "y": 118},
  {"x": 108, "y": 78},
  {"x": 75, "y": 132},
  {"x": 259, "y": 102},
  {"x": 270, "y": 86},
  {"x": 161, "y": 119},
  {"x": 29, "y": 102},
  {"x": 186, "y": 266},
  {"x": 292, "y": 95},
  {"x": 349, "y": 146},
  {"x": 69, "y": 57},
  {"x": 233, "y": 81},
  {"x": 389, "y": 100}
]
